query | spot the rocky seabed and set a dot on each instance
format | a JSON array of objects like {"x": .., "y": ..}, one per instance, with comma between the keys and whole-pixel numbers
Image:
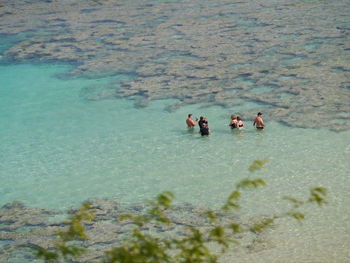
[
  {"x": 292, "y": 59},
  {"x": 23, "y": 227}
]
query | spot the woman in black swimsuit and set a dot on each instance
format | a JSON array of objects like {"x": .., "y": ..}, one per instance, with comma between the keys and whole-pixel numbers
[{"x": 205, "y": 130}]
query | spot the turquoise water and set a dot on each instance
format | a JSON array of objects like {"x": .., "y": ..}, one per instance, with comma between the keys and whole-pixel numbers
[
  {"x": 58, "y": 149},
  {"x": 65, "y": 139}
]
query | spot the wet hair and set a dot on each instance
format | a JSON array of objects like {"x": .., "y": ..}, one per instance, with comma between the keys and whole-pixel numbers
[
  {"x": 189, "y": 115},
  {"x": 201, "y": 117},
  {"x": 233, "y": 116},
  {"x": 259, "y": 113},
  {"x": 239, "y": 118}
]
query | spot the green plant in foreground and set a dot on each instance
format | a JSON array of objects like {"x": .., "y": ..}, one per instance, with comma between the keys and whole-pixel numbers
[
  {"x": 63, "y": 250},
  {"x": 196, "y": 246}
]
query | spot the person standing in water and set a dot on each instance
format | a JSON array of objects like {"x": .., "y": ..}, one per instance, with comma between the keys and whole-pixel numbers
[
  {"x": 203, "y": 126},
  {"x": 201, "y": 122},
  {"x": 239, "y": 123},
  {"x": 233, "y": 121},
  {"x": 190, "y": 122},
  {"x": 258, "y": 122},
  {"x": 205, "y": 129}
]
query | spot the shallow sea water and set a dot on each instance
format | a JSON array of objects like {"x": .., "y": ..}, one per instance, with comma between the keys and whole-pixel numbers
[
  {"x": 59, "y": 149},
  {"x": 62, "y": 143}
]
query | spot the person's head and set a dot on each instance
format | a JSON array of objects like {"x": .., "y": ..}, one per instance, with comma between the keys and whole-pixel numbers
[
  {"x": 233, "y": 117},
  {"x": 239, "y": 118},
  {"x": 259, "y": 114},
  {"x": 201, "y": 118},
  {"x": 190, "y": 116}
]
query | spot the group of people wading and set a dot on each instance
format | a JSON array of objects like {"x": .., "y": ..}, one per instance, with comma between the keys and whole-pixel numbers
[
  {"x": 202, "y": 123},
  {"x": 235, "y": 123}
]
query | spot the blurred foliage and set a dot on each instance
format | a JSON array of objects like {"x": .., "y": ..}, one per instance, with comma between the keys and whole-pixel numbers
[
  {"x": 195, "y": 247},
  {"x": 63, "y": 250}
]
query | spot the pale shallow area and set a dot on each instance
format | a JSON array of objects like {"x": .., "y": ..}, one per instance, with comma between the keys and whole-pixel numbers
[{"x": 59, "y": 149}]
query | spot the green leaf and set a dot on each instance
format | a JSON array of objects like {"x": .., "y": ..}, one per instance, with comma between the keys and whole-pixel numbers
[
  {"x": 165, "y": 199},
  {"x": 257, "y": 165},
  {"x": 211, "y": 215},
  {"x": 297, "y": 215},
  {"x": 250, "y": 184},
  {"x": 236, "y": 228},
  {"x": 317, "y": 195},
  {"x": 231, "y": 205},
  {"x": 321, "y": 190},
  {"x": 262, "y": 225},
  {"x": 217, "y": 232},
  {"x": 234, "y": 195},
  {"x": 45, "y": 254}
]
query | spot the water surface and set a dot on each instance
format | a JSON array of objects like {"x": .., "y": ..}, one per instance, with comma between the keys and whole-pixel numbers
[{"x": 97, "y": 108}]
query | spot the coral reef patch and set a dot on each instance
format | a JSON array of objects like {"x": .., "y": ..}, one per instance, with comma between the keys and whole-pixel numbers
[
  {"x": 23, "y": 227},
  {"x": 292, "y": 57}
]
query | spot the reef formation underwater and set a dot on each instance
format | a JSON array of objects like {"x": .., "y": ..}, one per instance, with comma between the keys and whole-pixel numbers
[{"x": 291, "y": 58}]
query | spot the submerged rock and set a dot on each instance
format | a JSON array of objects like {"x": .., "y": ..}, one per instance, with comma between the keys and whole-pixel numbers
[
  {"x": 186, "y": 50},
  {"x": 34, "y": 227}
]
